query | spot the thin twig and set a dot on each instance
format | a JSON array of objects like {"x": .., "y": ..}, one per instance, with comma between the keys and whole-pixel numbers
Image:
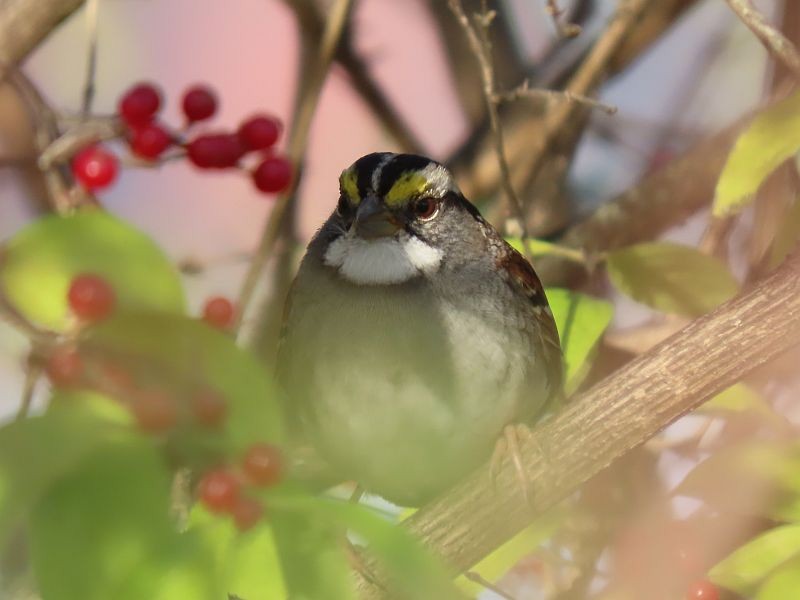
[
  {"x": 480, "y": 44},
  {"x": 311, "y": 22},
  {"x": 477, "y": 578},
  {"x": 781, "y": 48},
  {"x": 565, "y": 117},
  {"x": 525, "y": 91},
  {"x": 83, "y": 133},
  {"x": 334, "y": 26},
  {"x": 567, "y": 30},
  {"x": 92, "y": 7},
  {"x": 32, "y": 373}
]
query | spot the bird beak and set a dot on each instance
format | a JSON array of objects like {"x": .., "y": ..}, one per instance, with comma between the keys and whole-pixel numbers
[{"x": 373, "y": 220}]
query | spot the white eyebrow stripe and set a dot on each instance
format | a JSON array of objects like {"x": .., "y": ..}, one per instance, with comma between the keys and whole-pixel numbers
[{"x": 376, "y": 174}]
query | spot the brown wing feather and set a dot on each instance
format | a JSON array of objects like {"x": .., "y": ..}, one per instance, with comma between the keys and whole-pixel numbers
[{"x": 523, "y": 278}]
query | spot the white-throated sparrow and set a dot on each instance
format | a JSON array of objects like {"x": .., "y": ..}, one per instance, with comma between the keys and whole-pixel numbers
[{"x": 413, "y": 332}]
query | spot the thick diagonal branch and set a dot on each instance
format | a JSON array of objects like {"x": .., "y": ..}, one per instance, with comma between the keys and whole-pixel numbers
[{"x": 615, "y": 416}]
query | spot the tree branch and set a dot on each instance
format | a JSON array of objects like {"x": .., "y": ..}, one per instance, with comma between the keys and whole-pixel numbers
[
  {"x": 773, "y": 40},
  {"x": 25, "y": 23},
  {"x": 614, "y": 417},
  {"x": 298, "y": 139},
  {"x": 665, "y": 198}
]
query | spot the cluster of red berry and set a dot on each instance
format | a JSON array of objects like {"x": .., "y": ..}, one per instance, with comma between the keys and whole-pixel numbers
[
  {"x": 91, "y": 298},
  {"x": 95, "y": 167},
  {"x": 221, "y": 490}
]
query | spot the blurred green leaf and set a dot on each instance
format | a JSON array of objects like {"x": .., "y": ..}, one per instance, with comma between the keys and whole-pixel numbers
[
  {"x": 771, "y": 138},
  {"x": 38, "y": 451},
  {"x": 671, "y": 278},
  {"x": 311, "y": 552},
  {"x": 786, "y": 509},
  {"x": 104, "y": 531},
  {"x": 782, "y": 584},
  {"x": 740, "y": 398},
  {"x": 749, "y": 565},
  {"x": 182, "y": 355},
  {"x": 410, "y": 570},
  {"x": 39, "y": 262},
  {"x": 581, "y": 321},
  {"x": 545, "y": 248},
  {"x": 246, "y": 563},
  {"x": 786, "y": 236}
]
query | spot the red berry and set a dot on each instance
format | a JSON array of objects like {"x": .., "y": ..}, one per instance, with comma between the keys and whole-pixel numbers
[
  {"x": 246, "y": 513},
  {"x": 263, "y": 464},
  {"x": 94, "y": 167},
  {"x": 273, "y": 174},
  {"x": 199, "y": 103},
  {"x": 215, "y": 151},
  {"x": 259, "y": 132},
  {"x": 219, "y": 490},
  {"x": 154, "y": 411},
  {"x": 219, "y": 312},
  {"x": 702, "y": 590},
  {"x": 90, "y": 297},
  {"x": 140, "y": 104},
  {"x": 208, "y": 407},
  {"x": 64, "y": 367},
  {"x": 150, "y": 140}
]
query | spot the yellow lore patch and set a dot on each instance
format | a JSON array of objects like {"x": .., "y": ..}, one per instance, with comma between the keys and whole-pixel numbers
[
  {"x": 349, "y": 185},
  {"x": 409, "y": 185}
]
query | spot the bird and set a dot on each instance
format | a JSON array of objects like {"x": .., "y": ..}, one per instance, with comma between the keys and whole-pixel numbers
[{"x": 413, "y": 333}]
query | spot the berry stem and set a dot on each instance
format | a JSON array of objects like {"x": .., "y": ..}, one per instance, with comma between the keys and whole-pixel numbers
[
  {"x": 32, "y": 373},
  {"x": 92, "y": 7},
  {"x": 305, "y": 106}
]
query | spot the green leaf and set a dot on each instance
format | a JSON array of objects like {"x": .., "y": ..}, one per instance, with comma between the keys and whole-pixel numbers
[
  {"x": 786, "y": 236},
  {"x": 38, "y": 451},
  {"x": 748, "y": 566},
  {"x": 771, "y": 138},
  {"x": 182, "y": 355},
  {"x": 39, "y": 262},
  {"x": 247, "y": 564},
  {"x": 104, "y": 531},
  {"x": 545, "y": 248},
  {"x": 671, "y": 278},
  {"x": 412, "y": 571},
  {"x": 782, "y": 584},
  {"x": 740, "y": 398},
  {"x": 409, "y": 569},
  {"x": 581, "y": 321}
]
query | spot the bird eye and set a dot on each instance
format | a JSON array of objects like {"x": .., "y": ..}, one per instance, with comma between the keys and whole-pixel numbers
[{"x": 425, "y": 208}]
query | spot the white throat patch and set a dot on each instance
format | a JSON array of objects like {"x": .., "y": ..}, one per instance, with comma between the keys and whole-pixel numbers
[{"x": 382, "y": 261}]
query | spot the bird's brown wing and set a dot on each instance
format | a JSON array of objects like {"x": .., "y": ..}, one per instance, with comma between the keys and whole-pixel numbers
[{"x": 523, "y": 279}]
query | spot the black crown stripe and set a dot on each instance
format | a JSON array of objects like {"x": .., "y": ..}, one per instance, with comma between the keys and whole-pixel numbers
[
  {"x": 364, "y": 168},
  {"x": 401, "y": 163}
]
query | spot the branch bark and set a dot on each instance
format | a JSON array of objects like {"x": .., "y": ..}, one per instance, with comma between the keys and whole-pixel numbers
[
  {"x": 25, "y": 23},
  {"x": 781, "y": 48},
  {"x": 663, "y": 199},
  {"x": 614, "y": 417}
]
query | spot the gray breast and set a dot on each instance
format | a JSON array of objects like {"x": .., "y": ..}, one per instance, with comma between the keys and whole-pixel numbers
[{"x": 406, "y": 387}]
